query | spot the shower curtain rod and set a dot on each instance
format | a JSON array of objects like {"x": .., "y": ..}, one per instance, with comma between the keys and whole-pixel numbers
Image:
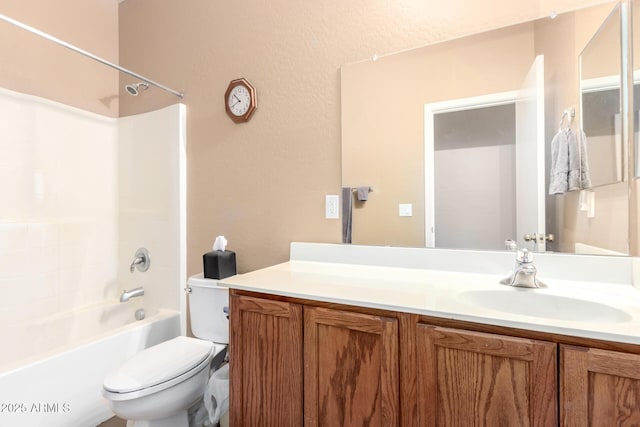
[{"x": 88, "y": 54}]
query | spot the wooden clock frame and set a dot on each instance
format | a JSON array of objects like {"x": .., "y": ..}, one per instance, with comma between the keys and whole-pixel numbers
[{"x": 253, "y": 102}]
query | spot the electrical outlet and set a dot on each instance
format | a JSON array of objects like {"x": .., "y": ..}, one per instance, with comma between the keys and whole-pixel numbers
[
  {"x": 405, "y": 209},
  {"x": 331, "y": 206}
]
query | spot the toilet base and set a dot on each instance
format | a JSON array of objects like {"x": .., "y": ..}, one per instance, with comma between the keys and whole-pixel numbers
[{"x": 181, "y": 419}]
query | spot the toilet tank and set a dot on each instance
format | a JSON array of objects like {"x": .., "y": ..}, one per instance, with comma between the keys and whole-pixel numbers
[{"x": 207, "y": 302}]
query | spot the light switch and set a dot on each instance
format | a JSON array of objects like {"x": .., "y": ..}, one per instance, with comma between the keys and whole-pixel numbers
[{"x": 405, "y": 209}]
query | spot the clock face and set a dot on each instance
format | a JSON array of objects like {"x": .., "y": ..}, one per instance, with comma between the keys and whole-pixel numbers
[{"x": 239, "y": 100}]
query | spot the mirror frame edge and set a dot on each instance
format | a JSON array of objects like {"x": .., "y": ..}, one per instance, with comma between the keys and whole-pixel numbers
[{"x": 627, "y": 66}]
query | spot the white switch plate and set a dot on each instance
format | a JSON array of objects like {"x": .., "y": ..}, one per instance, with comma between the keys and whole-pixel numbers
[
  {"x": 331, "y": 206},
  {"x": 405, "y": 209}
]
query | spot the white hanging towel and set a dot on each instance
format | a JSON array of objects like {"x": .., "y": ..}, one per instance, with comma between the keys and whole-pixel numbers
[
  {"x": 574, "y": 161},
  {"x": 559, "y": 173},
  {"x": 585, "y": 176},
  {"x": 569, "y": 162}
]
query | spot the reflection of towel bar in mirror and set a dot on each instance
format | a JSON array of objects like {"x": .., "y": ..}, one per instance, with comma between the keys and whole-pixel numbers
[
  {"x": 355, "y": 189},
  {"x": 569, "y": 113}
]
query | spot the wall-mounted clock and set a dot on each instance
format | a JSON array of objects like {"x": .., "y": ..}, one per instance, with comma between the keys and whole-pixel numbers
[{"x": 240, "y": 100}]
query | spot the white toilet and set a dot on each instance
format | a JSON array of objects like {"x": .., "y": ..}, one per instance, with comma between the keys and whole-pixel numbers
[{"x": 157, "y": 387}]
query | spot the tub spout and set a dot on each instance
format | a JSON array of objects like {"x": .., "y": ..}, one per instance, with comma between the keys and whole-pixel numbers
[{"x": 127, "y": 295}]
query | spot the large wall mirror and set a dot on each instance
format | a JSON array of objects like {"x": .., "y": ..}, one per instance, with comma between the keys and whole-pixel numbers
[{"x": 456, "y": 139}]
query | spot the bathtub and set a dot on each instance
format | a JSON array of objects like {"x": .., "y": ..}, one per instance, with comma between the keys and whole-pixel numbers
[{"x": 62, "y": 385}]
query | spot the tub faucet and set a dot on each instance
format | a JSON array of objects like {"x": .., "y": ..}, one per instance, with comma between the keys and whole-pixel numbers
[
  {"x": 127, "y": 295},
  {"x": 524, "y": 273}
]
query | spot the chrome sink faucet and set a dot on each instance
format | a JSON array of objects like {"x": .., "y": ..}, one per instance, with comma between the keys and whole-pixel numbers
[
  {"x": 524, "y": 273},
  {"x": 127, "y": 295}
]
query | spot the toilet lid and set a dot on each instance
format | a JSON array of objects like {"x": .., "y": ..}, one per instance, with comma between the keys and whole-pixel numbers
[{"x": 158, "y": 364}]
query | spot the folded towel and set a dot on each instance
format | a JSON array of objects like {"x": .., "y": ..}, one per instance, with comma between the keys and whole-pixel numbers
[{"x": 363, "y": 193}]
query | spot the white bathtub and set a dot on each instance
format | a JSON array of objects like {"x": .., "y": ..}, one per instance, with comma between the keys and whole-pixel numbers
[{"x": 63, "y": 387}]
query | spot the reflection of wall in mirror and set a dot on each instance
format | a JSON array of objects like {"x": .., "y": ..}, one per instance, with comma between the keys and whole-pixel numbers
[
  {"x": 601, "y": 54},
  {"x": 601, "y": 124},
  {"x": 474, "y": 161},
  {"x": 382, "y": 115},
  {"x": 609, "y": 228}
]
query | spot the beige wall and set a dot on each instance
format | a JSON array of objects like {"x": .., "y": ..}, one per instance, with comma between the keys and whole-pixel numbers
[
  {"x": 36, "y": 66},
  {"x": 262, "y": 183}
]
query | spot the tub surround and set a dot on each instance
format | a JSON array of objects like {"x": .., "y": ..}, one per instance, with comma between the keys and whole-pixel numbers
[
  {"x": 80, "y": 203},
  {"x": 435, "y": 282}
]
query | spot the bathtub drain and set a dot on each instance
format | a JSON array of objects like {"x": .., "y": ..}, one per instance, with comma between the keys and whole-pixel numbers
[{"x": 139, "y": 314}]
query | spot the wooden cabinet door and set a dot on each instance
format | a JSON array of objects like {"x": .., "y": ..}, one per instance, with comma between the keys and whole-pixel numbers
[
  {"x": 476, "y": 379},
  {"x": 351, "y": 369},
  {"x": 599, "y": 388},
  {"x": 265, "y": 356}
]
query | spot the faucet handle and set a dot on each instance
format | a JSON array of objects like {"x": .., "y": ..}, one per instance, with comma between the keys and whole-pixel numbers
[
  {"x": 140, "y": 261},
  {"x": 524, "y": 256},
  {"x": 510, "y": 245}
]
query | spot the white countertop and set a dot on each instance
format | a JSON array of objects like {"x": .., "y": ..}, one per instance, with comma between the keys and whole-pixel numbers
[{"x": 441, "y": 293}]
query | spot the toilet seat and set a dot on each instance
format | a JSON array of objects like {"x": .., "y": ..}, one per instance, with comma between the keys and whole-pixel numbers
[{"x": 160, "y": 367}]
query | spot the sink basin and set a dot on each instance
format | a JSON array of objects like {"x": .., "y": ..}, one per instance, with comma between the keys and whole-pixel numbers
[{"x": 527, "y": 302}]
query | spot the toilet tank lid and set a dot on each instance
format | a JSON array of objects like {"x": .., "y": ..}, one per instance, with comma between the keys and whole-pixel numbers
[
  {"x": 158, "y": 364},
  {"x": 200, "y": 280}
]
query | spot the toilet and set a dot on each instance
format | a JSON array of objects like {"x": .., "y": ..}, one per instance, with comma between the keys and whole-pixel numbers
[{"x": 157, "y": 387}]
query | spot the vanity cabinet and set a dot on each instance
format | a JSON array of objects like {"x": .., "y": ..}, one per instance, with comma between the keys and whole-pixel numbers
[
  {"x": 349, "y": 362},
  {"x": 468, "y": 378},
  {"x": 350, "y": 369},
  {"x": 266, "y": 362},
  {"x": 301, "y": 362},
  {"x": 599, "y": 388}
]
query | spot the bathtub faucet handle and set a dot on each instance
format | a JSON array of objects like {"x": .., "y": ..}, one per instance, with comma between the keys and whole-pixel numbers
[{"x": 140, "y": 261}]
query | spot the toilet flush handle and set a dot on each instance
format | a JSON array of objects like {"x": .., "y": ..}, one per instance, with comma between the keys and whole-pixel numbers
[{"x": 225, "y": 309}]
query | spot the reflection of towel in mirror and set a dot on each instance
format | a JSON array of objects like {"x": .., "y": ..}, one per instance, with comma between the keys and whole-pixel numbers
[
  {"x": 558, "y": 179},
  {"x": 585, "y": 176},
  {"x": 363, "y": 193},
  {"x": 347, "y": 213},
  {"x": 569, "y": 166},
  {"x": 574, "y": 161}
]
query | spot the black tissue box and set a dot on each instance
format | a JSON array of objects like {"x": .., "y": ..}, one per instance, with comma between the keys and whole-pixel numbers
[{"x": 219, "y": 264}]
